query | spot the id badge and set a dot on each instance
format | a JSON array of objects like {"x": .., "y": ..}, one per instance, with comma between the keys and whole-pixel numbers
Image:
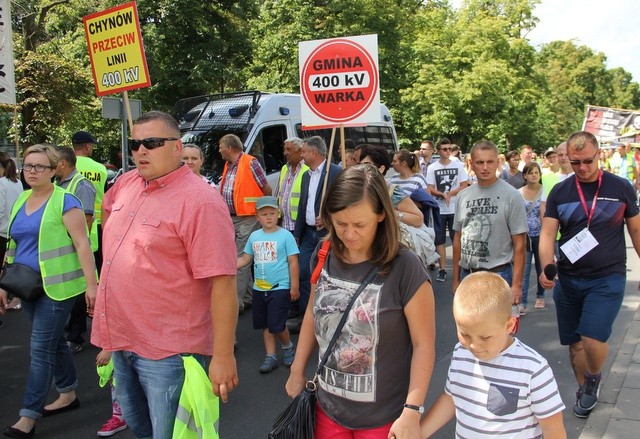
[{"x": 579, "y": 245}]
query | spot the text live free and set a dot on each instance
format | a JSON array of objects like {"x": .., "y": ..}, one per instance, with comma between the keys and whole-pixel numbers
[{"x": 116, "y": 50}]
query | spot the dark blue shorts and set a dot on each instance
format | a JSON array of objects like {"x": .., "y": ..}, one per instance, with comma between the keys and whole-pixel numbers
[
  {"x": 587, "y": 307},
  {"x": 271, "y": 309},
  {"x": 446, "y": 222}
]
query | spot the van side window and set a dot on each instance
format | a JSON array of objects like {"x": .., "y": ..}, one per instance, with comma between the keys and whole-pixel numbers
[
  {"x": 267, "y": 148},
  {"x": 373, "y": 135}
]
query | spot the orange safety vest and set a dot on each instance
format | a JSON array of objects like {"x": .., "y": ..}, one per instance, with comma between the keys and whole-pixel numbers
[{"x": 245, "y": 189}]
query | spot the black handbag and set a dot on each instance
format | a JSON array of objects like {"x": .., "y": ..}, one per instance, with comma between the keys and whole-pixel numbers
[
  {"x": 21, "y": 281},
  {"x": 298, "y": 420}
]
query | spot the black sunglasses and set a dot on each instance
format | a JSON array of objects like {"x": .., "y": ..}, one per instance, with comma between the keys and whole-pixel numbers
[
  {"x": 584, "y": 162},
  {"x": 149, "y": 142}
]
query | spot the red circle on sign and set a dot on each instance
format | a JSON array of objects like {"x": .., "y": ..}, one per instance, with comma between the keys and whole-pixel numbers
[{"x": 339, "y": 80}]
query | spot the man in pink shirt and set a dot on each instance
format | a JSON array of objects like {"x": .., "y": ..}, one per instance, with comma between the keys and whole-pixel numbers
[{"x": 167, "y": 285}]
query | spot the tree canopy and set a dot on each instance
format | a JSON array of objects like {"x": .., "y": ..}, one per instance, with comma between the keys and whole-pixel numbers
[{"x": 466, "y": 74}]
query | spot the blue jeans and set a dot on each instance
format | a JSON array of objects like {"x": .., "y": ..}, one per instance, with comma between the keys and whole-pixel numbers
[
  {"x": 532, "y": 252},
  {"x": 50, "y": 354},
  {"x": 148, "y": 391}
]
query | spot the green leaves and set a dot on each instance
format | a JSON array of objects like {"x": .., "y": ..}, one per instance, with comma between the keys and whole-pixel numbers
[{"x": 466, "y": 74}]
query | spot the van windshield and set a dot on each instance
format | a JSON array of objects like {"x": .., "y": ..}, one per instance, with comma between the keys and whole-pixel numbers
[{"x": 208, "y": 142}]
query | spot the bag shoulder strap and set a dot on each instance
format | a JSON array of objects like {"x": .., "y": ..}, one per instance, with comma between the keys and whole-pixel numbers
[
  {"x": 367, "y": 280},
  {"x": 322, "y": 256}
]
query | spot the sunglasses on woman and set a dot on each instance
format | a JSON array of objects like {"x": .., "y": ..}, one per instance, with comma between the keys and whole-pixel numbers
[{"x": 149, "y": 142}]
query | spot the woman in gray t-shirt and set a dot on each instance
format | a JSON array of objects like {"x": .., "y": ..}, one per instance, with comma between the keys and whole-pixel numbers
[{"x": 378, "y": 373}]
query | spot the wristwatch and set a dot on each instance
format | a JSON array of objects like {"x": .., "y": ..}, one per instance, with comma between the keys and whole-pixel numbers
[{"x": 417, "y": 408}]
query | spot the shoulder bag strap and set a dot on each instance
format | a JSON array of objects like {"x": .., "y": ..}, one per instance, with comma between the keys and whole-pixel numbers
[
  {"x": 367, "y": 280},
  {"x": 322, "y": 255}
]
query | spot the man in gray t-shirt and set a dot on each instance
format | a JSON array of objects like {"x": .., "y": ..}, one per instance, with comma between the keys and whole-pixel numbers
[{"x": 490, "y": 224}]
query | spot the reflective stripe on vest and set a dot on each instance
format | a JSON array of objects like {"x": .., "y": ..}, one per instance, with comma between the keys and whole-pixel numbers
[
  {"x": 296, "y": 190},
  {"x": 62, "y": 275},
  {"x": 57, "y": 252},
  {"x": 198, "y": 413},
  {"x": 93, "y": 233},
  {"x": 245, "y": 189}
]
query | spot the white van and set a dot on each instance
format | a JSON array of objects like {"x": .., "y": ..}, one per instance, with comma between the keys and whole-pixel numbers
[{"x": 263, "y": 121}]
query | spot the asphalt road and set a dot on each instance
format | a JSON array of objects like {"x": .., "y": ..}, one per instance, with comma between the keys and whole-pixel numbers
[{"x": 259, "y": 399}]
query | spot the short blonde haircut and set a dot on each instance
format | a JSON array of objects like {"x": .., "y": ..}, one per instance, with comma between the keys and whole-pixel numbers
[
  {"x": 483, "y": 295},
  {"x": 579, "y": 141},
  {"x": 49, "y": 150}
]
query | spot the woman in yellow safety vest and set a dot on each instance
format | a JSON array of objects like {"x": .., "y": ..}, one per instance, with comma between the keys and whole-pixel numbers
[{"x": 48, "y": 233}]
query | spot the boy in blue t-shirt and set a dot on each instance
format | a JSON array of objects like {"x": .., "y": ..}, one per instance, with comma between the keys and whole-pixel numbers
[{"x": 276, "y": 272}]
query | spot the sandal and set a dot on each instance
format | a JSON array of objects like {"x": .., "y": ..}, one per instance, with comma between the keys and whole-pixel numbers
[{"x": 540, "y": 304}]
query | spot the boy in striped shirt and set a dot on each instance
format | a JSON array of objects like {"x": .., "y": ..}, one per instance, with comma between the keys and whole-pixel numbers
[{"x": 496, "y": 384}]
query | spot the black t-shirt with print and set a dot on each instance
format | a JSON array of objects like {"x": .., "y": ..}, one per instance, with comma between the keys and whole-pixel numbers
[{"x": 365, "y": 381}]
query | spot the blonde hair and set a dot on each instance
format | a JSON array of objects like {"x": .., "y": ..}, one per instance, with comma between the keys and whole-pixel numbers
[
  {"x": 578, "y": 141},
  {"x": 409, "y": 159},
  {"x": 483, "y": 295},
  {"x": 49, "y": 150}
]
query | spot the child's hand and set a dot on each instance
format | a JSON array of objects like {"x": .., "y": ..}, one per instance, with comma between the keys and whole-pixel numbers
[
  {"x": 102, "y": 359},
  {"x": 407, "y": 426}
]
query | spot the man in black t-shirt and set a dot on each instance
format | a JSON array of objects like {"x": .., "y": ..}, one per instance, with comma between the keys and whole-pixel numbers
[{"x": 590, "y": 209}]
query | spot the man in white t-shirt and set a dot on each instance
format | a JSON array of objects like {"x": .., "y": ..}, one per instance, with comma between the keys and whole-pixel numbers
[{"x": 445, "y": 178}]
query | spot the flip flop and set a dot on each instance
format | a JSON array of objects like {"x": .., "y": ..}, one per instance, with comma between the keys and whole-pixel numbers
[{"x": 540, "y": 304}]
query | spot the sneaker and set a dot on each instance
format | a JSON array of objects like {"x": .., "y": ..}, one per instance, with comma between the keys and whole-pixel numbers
[
  {"x": 75, "y": 347},
  {"x": 590, "y": 392},
  {"x": 268, "y": 364},
  {"x": 442, "y": 276},
  {"x": 288, "y": 355},
  {"x": 577, "y": 410},
  {"x": 112, "y": 426}
]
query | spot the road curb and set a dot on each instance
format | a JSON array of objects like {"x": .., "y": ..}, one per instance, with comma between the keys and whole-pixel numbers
[{"x": 617, "y": 415}]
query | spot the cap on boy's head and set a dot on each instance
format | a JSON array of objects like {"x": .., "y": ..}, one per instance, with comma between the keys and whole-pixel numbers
[
  {"x": 267, "y": 201},
  {"x": 483, "y": 294},
  {"x": 83, "y": 137},
  {"x": 550, "y": 151}
]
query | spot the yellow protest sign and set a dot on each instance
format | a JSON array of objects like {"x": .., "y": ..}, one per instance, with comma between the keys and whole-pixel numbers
[{"x": 115, "y": 49}]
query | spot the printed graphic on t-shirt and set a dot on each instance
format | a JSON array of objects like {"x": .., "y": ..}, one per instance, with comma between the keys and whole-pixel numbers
[
  {"x": 350, "y": 371},
  {"x": 446, "y": 179},
  {"x": 265, "y": 252},
  {"x": 476, "y": 228}
]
